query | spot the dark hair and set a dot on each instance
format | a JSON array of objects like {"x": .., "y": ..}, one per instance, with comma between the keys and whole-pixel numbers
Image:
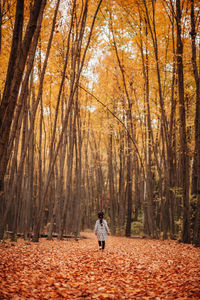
[{"x": 100, "y": 216}]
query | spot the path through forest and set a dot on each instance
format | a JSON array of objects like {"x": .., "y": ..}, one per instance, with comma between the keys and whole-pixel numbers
[{"x": 127, "y": 269}]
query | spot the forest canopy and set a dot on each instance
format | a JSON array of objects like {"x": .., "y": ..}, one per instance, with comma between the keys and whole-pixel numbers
[{"x": 100, "y": 110}]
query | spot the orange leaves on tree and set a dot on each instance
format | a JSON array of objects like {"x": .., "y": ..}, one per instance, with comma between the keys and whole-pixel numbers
[{"x": 127, "y": 269}]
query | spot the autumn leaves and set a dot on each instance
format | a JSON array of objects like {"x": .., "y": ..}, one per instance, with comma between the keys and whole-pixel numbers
[{"x": 128, "y": 269}]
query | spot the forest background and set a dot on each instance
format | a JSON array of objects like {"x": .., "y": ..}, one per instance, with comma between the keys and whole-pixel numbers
[{"x": 100, "y": 109}]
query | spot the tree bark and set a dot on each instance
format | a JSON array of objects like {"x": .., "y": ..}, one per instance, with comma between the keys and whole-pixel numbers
[
  {"x": 196, "y": 161},
  {"x": 111, "y": 183},
  {"x": 129, "y": 189},
  {"x": 0, "y": 29},
  {"x": 184, "y": 171},
  {"x": 122, "y": 192},
  {"x": 15, "y": 73}
]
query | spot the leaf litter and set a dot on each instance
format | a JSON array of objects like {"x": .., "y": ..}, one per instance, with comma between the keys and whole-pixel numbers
[{"x": 126, "y": 269}]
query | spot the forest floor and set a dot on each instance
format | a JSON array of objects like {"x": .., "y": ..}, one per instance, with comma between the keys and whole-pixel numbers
[{"x": 126, "y": 269}]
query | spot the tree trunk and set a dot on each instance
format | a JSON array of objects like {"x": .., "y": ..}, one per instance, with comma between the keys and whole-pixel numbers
[
  {"x": 129, "y": 188},
  {"x": 78, "y": 171},
  {"x": 111, "y": 183},
  {"x": 184, "y": 172},
  {"x": 122, "y": 192},
  {"x": 0, "y": 29},
  {"x": 74, "y": 85},
  {"x": 14, "y": 77},
  {"x": 196, "y": 161},
  {"x": 15, "y": 73},
  {"x": 149, "y": 226}
]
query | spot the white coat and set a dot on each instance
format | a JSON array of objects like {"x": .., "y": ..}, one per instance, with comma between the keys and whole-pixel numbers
[{"x": 101, "y": 230}]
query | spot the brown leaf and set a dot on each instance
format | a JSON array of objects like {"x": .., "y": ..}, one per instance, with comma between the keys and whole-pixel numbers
[{"x": 127, "y": 269}]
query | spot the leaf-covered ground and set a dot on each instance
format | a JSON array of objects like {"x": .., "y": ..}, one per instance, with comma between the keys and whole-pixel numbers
[{"x": 127, "y": 269}]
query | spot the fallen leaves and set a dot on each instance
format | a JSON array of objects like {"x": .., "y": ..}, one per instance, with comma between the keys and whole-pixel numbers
[{"x": 127, "y": 269}]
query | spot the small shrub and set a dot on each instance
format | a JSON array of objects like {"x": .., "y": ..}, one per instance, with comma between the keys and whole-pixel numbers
[{"x": 136, "y": 228}]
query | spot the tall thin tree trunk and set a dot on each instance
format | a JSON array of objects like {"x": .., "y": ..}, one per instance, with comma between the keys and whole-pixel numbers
[
  {"x": 196, "y": 161},
  {"x": 197, "y": 113},
  {"x": 111, "y": 183},
  {"x": 15, "y": 73},
  {"x": 122, "y": 193},
  {"x": 171, "y": 155},
  {"x": 73, "y": 88},
  {"x": 129, "y": 187},
  {"x": 149, "y": 226},
  {"x": 184, "y": 171},
  {"x": 14, "y": 77},
  {"x": 0, "y": 29},
  {"x": 78, "y": 171}
]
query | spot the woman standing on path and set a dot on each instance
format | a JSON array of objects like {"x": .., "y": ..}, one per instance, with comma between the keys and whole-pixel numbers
[{"x": 101, "y": 230}]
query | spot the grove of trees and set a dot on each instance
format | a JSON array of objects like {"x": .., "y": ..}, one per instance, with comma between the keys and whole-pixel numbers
[{"x": 100, "y": 109}]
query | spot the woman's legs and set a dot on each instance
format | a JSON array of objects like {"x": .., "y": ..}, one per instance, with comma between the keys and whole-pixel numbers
[{"x": 101, "y": 245}]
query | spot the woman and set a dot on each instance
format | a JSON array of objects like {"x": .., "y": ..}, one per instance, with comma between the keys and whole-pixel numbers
[{"x": 101, "y": 230}]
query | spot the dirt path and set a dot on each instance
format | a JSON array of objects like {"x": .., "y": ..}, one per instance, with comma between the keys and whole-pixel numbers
[{"x": 127, "y": 269}]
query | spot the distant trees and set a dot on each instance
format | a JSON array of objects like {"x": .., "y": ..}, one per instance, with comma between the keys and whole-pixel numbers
[
  {"x": 29, "y": 157},
  {"x": 163, "y": 115},
  {"x": 18, "y": 56},
  {"x": 100, "y": 110}
]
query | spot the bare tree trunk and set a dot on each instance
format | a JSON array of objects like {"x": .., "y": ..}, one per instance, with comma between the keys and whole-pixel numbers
[
  {"x": 33, "y": 113},
  {"x": 74, "y": 85},
  {"x": 40, "y": 89},
  {"x": 184, "y": 172},
  {"x": 0, "y": 29},
  {"x": 99, "y": 173},
  {"x": 66, "y": 206},
  {"x": 24, "y": 87},
  {"x": 9, "y": 186},
  {"x": 129, "y": 188},
  {"x": 122, "y": 192},
  {"x": 137, "y": 197},
  {"x": 197, "y": 115},
  {"x": 13, "y": 80},
  {"x": 29, "y": 199},
  {"x": 149, "y": 225},
  {"x": 16, "y": 43},
  {"x": 78, "y": 172},
  {"x": 196, "y": 161},
  {"x": 130, "y": 134},
  {"x": 59, "y": 201},
  {"x": 27, "y": 193},
  {"x": 15, "y": 73},
  {"x": 111, "y": 184},
  {"x": 171, "y": 150},
  {"x": 18, "y": 182}
]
